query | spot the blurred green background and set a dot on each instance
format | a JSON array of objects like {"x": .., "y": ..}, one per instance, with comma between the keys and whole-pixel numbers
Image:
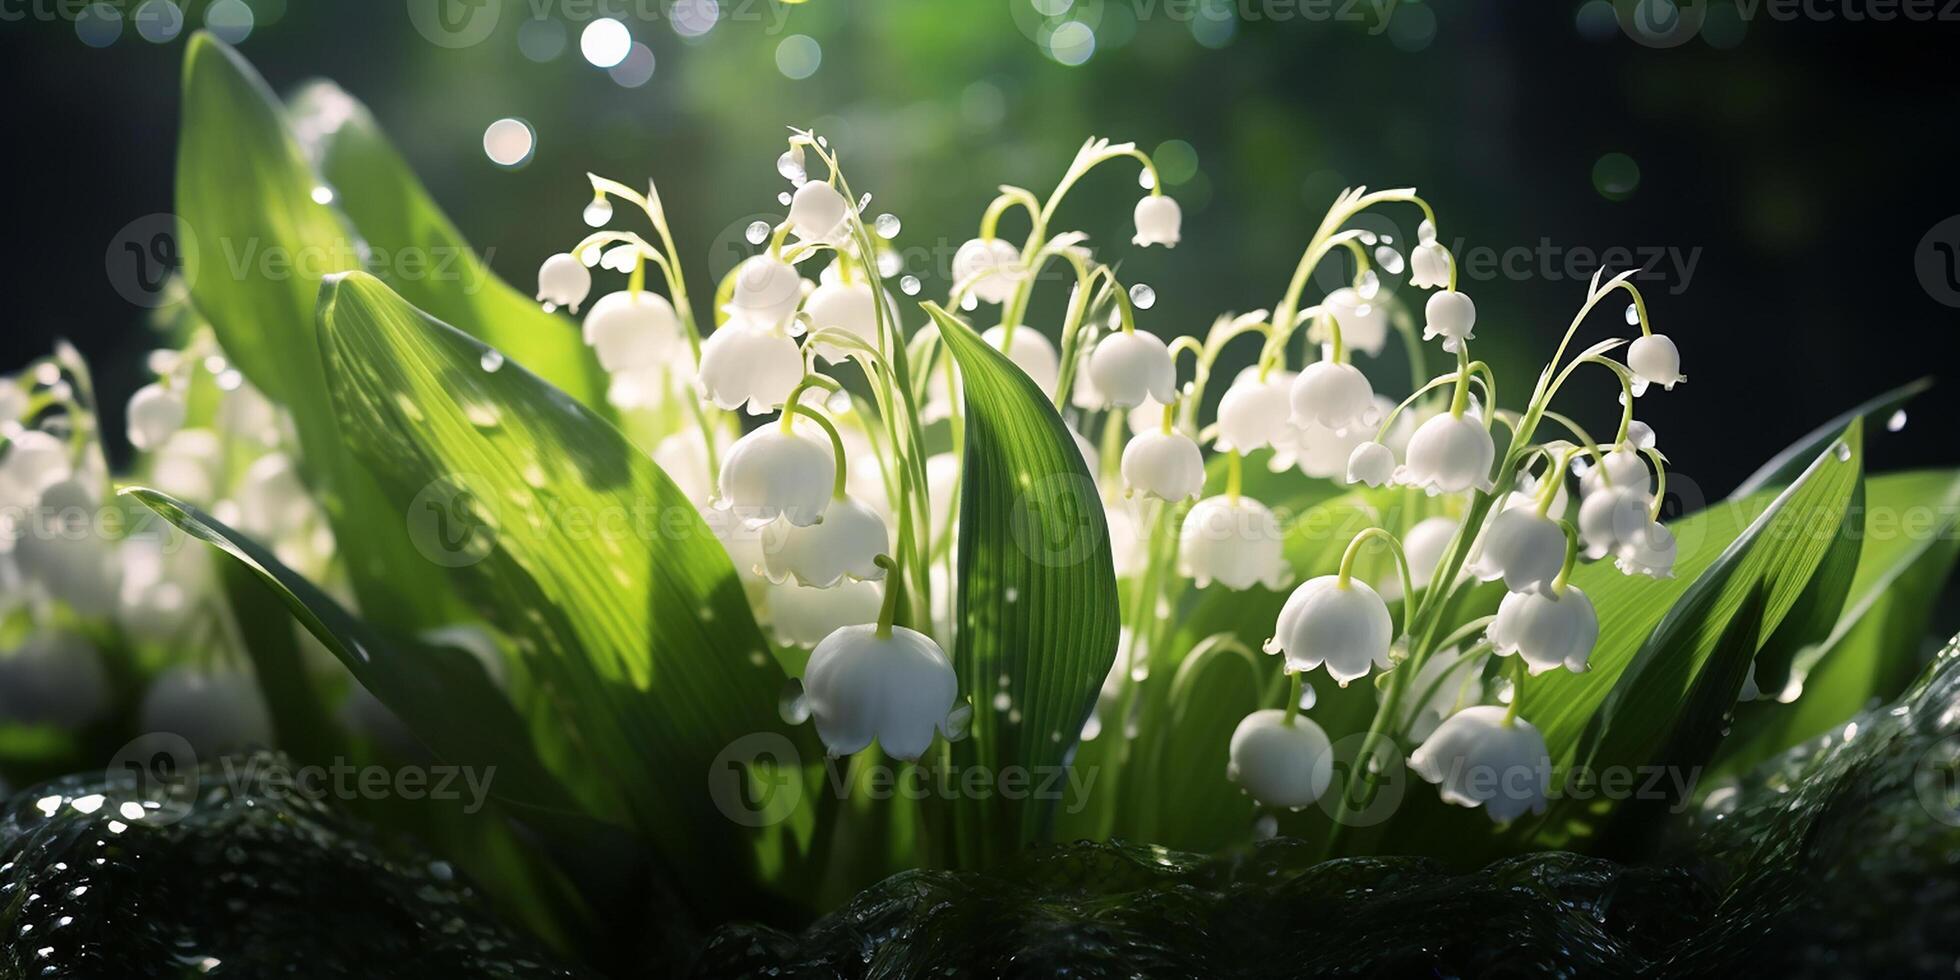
[{"x": 1787, "y": 178}]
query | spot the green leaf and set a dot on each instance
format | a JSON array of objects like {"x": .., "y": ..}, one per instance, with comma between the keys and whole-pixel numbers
[
  {"x": 419, "y": 253},
  {"x": 1036, "y": 614},
  {"x": 1631, "y": 703},
  {"x": 1872, "y": 653},
  {"x": 255, "y": 245},
  {"x": 625, "y": 607},
  {"x": 1786, "y": 465}
]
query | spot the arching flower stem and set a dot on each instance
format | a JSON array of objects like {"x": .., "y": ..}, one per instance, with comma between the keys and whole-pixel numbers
[
  {"x": 1295, "y": 682},
  {"x": 895, "y": 583},
  {"x": 1571, "y": 557},
  {"x": 1401, "y": 563},
  {"x": 1516, "y": 666}
]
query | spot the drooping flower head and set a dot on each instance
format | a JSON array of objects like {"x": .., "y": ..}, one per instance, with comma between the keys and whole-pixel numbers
[
  {"x": 1552, "y": 628},
  {"x": 1235, "y": 541},
  {"x": 1449, "y": 454},
  {"x": 1337, "y": 396},
  {"x": 1482, "y": 756},
  {"x": 772, "y": 473},
  {"x": 1655, "y": 361},
  {"x": 897, "y": 688},
  {"x": 1342, "y": 625},
  {"x": 743, "y": 365},
  {"x": 1158, "y": 221},
  {"x": 1280, "y": 762},
  {"x": 1129, "y": 367},
  {"x": 633, "y": 330},
  {"x": 1451, "y": 316},
  {"x": 1165, "y": 465}
]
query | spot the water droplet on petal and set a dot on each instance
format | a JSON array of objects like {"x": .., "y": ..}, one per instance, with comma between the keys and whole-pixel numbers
[
  {"x": 1390, "y": 260},
  {"x": 909, "y": 285},
  {"x": 598, "y": 212},
  {"x": 1896, "y": 422},
  {"x": 757, "y": 232},
  {"x": 491, "y": 361},
  {"x": 887, "y": 225},
  {"x": 1142, "y": 296},
  {"x": 482, "y": 415},
  {"x": 790, "y": 165}
]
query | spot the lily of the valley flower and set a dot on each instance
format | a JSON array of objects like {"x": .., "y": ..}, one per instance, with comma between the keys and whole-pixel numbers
[
  {"x": 817, "y": 212},
  {"x": 1429, "y": 264},
  {"x": 1129, "y": 367},
  {"x": 767, "y": 292},
  {"x": 156, "y": 412},
  {"x": 1449, "y": 454},
  {"x": 772, "y": 473},
  {"x": 1337, "y": 396},
  {"x": 563, "y": 281},
  {"x": 993, "y": 265},
  {"x": 632, "y": 330},
  {"x": 1371, "y": 463},
  {"x": 846, "y": 306},
  {"x": 1424, "y": 545},
  {"x": 1342, "y": 625},
  {"x": 1446, "y": 685},
  {"x": 743, "y": 364},
  {"x": 1655, "y": 361},
  {"x": 892, "y": 684},
  {"x": 1624, "y": 468},
  {"x": 1165, "y": 465},
  {"x": 1451, "y": 316},
  {"x": 1610, "y": 516},
  {"x": 1552, "y": 628},
  {"x": 1030, "y": 350},
  {"x": 1235, "y": 541},
  {"x": 1524, "y": 548},
  {"x": 1649, "y": 552},
  {"x": 1253, "y": 414},
  {"x": 1482, "y": 756},
  {"x": 1363, "y": 321},
  {"x": 847, "y": 542},
  {"x": 1158, "y": 221},
  {"x": 1282, "y": 762},
  {"x": 34, "y": 461},
  {"x": 803, "y": 617}
]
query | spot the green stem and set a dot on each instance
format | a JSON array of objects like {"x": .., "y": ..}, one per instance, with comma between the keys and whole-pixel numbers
[
  {"x": 894, "y": 584},
  {"x": 1293, "y": 692}
]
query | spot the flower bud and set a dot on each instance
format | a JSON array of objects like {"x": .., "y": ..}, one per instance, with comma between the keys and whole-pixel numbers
[
  {"x": 1280, "y": 765},
  {"x": 1158, "y": 221},
  {"x": 1346, "y": 627},
  {"x": 992, "y": 264},
  {"x": 817, "y": 212},
  {"x": 1429, "y": 265},
  {"x": 1449, "y": 454},
  {"x": 897, "y": 689},
  {"x": 1166, "y": 465},
  {"x": 1371, "y": 463},
  {"x": 1521, "y": 547},
  {"x": 850, "y": 536},
  {"x": 1337, "y": 396},
  {"x": 1236, "y": 542},
  {"x": 1625, "y": 469},
  {"x": 155, "y": 414},
  {"x": 743, "y": 364},
  {"x": 563, "y": 281},
  {"x": 770, "y": 473},
  {"x": 1548, "y": 629},
  {"x": 1477, "y": 758},
  {"x": 1128, "y": 367},
  {"x": 1655, "y": 361},
  {"x": 1451, "y": 316},
  {"x": 630, "y": 331}
]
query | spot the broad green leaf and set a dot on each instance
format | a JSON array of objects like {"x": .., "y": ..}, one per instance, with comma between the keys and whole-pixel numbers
[
  {"x": 417, "y": 251},
  {"x": 255, "y": 246},
  {"x": 1910, "y": 546},
  {"x": 1036, "y": 617},
  {"x": 1786, "y": 465},
  {"x": 625, "y": 607},
  {"x": 1631, "y": 703}
]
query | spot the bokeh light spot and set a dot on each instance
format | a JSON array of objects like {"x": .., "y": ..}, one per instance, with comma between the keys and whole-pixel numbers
[
  {"x": 605, "y": 42},
  {"x": 636, "y": 70},
  {"x": 1412, "y": 27},
  {"x": 798, "y": 56},
  {"x": 693, "y": 18},
  {"x": 1176, "y": 161},
  {"x": 158, "y": 21},
  {"x": 509, "y": 142},
  {"x": 1615, "y": 176},
  {"x": 1071, "y": 42},
  {"x": 1215, "y": 23},
  {"x": 230, "y": 20},
  {"x": 98, "y": 25}
]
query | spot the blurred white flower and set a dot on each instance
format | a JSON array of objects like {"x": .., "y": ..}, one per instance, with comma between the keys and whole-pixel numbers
[
  {"x": 1445, "y": 685},
  {"x": 1363, "y": 321},
  {"x": 767, "y": 293},
  {"x": 1649, "y": 551},
  {"x": 1254, "y": 414},
  {"x": 563, "y": 281},
  {"x": 845, "y": 542},
  {"x": 631, "y": 331},
  {"x": 992, "y": 264},
  {"x": 53, "y": 678},
  {"x": 155, "y": 414},
  {"x": 803, "y": 617}
]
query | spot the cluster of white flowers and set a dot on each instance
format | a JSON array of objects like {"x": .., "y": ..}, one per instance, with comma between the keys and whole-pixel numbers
[{"x": 840, "y": 513}]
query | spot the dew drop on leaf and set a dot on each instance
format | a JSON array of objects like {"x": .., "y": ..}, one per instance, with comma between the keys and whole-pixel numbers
[
  {"x": 1142, "y": 296},
  {"x": 1843, "y": 451},
  {"x": 598, "y": 212},
  {"x": 887, "y": 225},
  {"x": 757, "y": 231},
  {"x": 491, "y": 361}
]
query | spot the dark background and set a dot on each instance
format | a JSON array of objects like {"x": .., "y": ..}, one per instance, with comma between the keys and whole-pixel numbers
[{"x": 1801, "y": 162}]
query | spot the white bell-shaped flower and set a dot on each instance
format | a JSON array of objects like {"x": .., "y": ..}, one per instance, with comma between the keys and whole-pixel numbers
[
  {"x": 563, "y": 281},
  {"x": 1479, "y": 758},
  {"x": 1323, "y": 453},
  {"x": 189, "y": 465},
  {"x": 1129, "y": 367},
  {"x": 1030, "y": 350},
  {"x": 1129, "y": 537},
  {"x": 1337, "y": 396},
  {"x": 14, "y": 401},
  {"x": 743, "y": 364},
  {"x": 1429, "y": 265},
  {"x": 1424, "y": 545},
  {"x": 1446, "y": 684},
  {"x": 1371, "y": 463},
  {"x": 1254, "y": 414},
  {"x": 1640, "y": 435},
  {"x": 67, "y": 549},
  {"x": 1236, "y": 542},
  {"x": 772, "y": 473},
  {"x": 1655, "y": 361},
  {"x": 1548, "y": 629},
  {"x": 216, "y": 710},
  {"x": 992, "y": 264},
  {"x": 155, "y": 414},
  {"x": 1522, "y": 547},
  {"x": 1450, "y": 315},
  {"x": 767, "y": 292},
  {"x": 1449, "y": 454},
  {"x": 817, "y": 212},
  {"x": 1280, "y": 764},
  {"x": 163, "y": 577},
  {"x": 1624, "y": 469},
  {"x": 1159, "y": 221},
  {"x": 1610, "y": 516},
  {"x": 897, "y": 689},
  {"x": 850, "y": 536},
  {"x": 1526, "y": 495},
  {"x": 1649, "y": 551},
  {"x": 1343, "y": 626},
  {"x": 1166, "y": 465},
  {"x": 53, "y": 678},
  {"x": 1363, "y": 321},
  {"x": 847, "y": 306},
  {"x": 272, "y": 499},
  {"x": 629, "y": 330},
  {"x": 802, "y": 617},
  {"x": 32, "y": 462}
]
